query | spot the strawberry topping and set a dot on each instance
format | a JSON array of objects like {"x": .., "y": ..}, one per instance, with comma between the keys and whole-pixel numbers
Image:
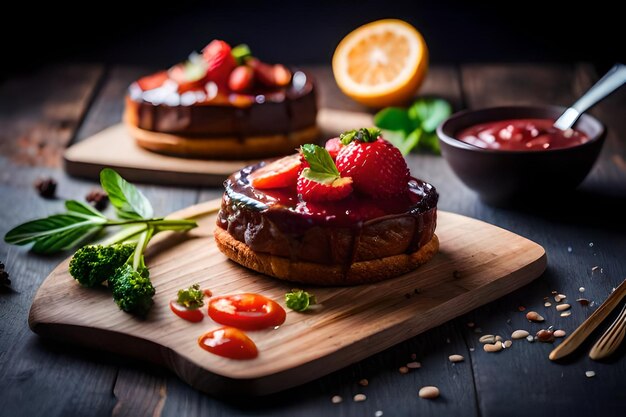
[
  {"x": 321, "y": 181},
  {"x": 333, "y": 146},
  {"x": 220, "y": 61},
  {"x": 281, "y": 173},
  {"x": 375, "y": 165}
]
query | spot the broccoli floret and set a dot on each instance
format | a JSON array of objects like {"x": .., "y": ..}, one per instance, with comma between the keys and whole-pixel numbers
[
  {"x": 299, "y": 300},
  {"x": 91, "y": 265},
  {"x": 191, "y": 298},
  {"x": 132, "y": 289}
]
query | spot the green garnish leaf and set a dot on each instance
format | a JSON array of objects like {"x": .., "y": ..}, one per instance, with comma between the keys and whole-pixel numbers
[
  {"x": 191, "y": 298},
  {"x": 130, "y": 203},
  {"x": 320, "y": 160},
  {"x": 299, "y": 300},
  {"x": 364, "y": 134},
  {"x": 241, "y": 53},
  {"x": 429, "y": 113},
  {"x": 394, "y": 119},
  {"x": 320, "y": 177}
]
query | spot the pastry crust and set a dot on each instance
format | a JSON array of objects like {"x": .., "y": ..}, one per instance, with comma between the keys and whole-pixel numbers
[
  {"x": 225, "y": 147},
  {"x": 319, "y": 274}
]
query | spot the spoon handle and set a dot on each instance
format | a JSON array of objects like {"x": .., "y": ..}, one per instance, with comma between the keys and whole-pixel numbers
[
  {"x": 611, "y": 81},
  {"x": 611, "y": 339}
]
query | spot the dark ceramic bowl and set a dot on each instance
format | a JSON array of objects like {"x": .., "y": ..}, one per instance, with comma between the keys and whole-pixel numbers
[{"x": 504, "y": 177}]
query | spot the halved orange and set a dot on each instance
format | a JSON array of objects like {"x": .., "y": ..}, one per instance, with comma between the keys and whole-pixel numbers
[{"x": 382, "y": 63}]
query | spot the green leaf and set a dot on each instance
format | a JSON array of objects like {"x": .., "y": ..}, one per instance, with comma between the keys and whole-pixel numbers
[
  {"x": 192, "y": 297},
  {"x": 82, "y": 208},
  {"x": 429, "y": 113},
  {"x": 320, "y": 177},
  {"x": 241, "y": 53},
  {"x": 319, "y": 159},
  {"x": 430, "y": 142},
  {"x": 66, "y": 239},
  {"x": 412, "y": 141},
  {"x": 396, "y": 137},
  {"x": 364, "y": 134},
  {"x": 127, "y": 199},
  {"x": 394, "y": 119},
  {"x": 44, "y": 228},
  {"x": 299, "y": 300}
]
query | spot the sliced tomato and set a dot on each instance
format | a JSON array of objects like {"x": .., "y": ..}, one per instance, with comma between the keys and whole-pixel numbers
[
  {"x": 278, "y": 174},
  {"x": 229, "y": 342},
  {"x": 194, "y": 315},
  {"x": 246, "y": 311},
  {"x": 333, "y": 146},
  {"x": 150, "y": 82}
]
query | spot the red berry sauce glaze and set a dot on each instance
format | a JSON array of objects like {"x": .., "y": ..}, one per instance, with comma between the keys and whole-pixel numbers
[
  {"x": 356, "y": 228},
  {"x": 521, "y": 135}
]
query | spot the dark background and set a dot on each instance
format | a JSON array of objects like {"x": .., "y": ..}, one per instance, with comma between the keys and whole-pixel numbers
[{"x": 160, "y": 34}]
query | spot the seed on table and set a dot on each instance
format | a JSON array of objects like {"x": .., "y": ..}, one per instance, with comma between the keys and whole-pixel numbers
[
  {"x": 563, "y": 307},
  {"x": 519, "y": 334},
  {"x": 583, "y": 301},
  {"x": 530, "y": 338},
  {"x": 413, "y": 365},
  {"x": 521, "y": 308},
  {"x": 471, "y": 324},
  {"x": 378, "y": 413},
  {"x": 546, "y": 336},
  {"x": 547, "y": 304},
  {"x": 488, "y": 338},
  {"x": 590, "y": 374},
  {"x": 559, "y": 333},
  {"x": 336, "y": 399},
  {"x": 496, "y": 347},
  {"x": 364, "y": 382},
  {"x": 498, "y": 338},
  {"x": 359, "y": 397},
  {"x": 403, "y": 370},
  {"x": 429, "y": 392},
  {"x": 566, "y": 314},
  {"x": 507, "y": 344},
  {"x": 559, "y": 297},
  {"x": 534, "y": 316},
  {"x": 581, "y": 289},
  {"x": 455, "y": 358}
]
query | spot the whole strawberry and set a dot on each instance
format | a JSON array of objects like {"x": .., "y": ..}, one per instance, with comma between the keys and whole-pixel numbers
[
  {"x": 376, "y": 167},
  {"x": 320, "y": 181},
  {"x": 220, "y": 62}
]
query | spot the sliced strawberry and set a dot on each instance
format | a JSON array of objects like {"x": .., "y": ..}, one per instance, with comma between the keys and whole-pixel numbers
[
  {"x": 333, "y": 146},
  {"x": 377, "y": 168},
  {"x": 270, "y": 75},
  {"x": 241, "y": 79},
  {"x": 150, "y": 82},
  {"x": 220, "y": 61},
  {"x": 281, "y": 173},
  {"x": 314, "y": 191}
]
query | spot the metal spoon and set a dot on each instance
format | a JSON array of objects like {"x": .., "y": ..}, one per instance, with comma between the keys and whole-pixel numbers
[{"x": 612, "y": 80}]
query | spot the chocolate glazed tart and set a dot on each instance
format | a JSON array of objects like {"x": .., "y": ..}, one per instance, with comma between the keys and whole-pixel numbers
[
  {"x": 225, "y": 126},
  {"x": 352, "y": 241}
]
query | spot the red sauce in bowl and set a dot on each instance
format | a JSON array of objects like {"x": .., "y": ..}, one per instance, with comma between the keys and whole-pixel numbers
[{"x": 521, "y": 135}]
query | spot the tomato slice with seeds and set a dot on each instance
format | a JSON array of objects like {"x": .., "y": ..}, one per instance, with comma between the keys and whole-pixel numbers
[
  {"x": 194, "y": 315},
  {"x": 278, "y": 174},
  {"x": 229, "y": 342},
  {"x": 246, "y": 311}
]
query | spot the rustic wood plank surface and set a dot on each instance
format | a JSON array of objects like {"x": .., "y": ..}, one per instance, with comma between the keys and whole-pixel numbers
[{"x": 38, "y": 377}]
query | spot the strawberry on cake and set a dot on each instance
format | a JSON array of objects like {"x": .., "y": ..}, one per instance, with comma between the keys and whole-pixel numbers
[
  {"x": 223, "y": 104},
  {"x": 348, "y": 213}
]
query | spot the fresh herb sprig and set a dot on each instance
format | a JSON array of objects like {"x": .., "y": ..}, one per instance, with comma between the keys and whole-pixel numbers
[
  {"x": 414, "y": 128},
  {"x": 81, "y": 222},
  {"x": 299, "y": 300}
]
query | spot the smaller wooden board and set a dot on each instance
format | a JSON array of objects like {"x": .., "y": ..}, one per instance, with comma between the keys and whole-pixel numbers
[
  {"x": 115, "y": 148},
  {"x": 477, "y": 263}
]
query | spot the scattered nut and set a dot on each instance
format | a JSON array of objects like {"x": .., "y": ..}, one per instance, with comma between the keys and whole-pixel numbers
[
  {"x": 496, "y": 347},
  {"x": 46, "y": 186},
  {"x": 581, "y": 289},
  {"x": 583, "y": 301},
  {"x": 559, "y": 333},
  {"x": 364, "y": 382},
  {"x": 521, "y": 308},
  {"x": 559, "y": 297},
  {"x": 488, "y": 338},
  {"x": 403, "y": 370},
  {"x": 359, "y": 397},
  {"x": 547, "y": 304},
  {"x": 413, "y": 356},
  {"x": 519, "y": 334},
  {"x": 429, "y": 392},
  {"x": 456, "y": 358},
  {"x": 471, "y": 324},
  {"x": 378, "y": 413},
  {"x": 566, "y": 314},
  {"x": 546, "y": 336},
  {"x": 498, "y": 338},
  {"x": 534, "y": 316},
  {"x": 336, "y": 399},
  {"x": 413, "y": 365},
  {"x": 97, "y": 198},
  {"x": 590, "y": 374},
  {"x": 563, "y": 307},
  {"x": 507, "y": 344},
  {"x": 530, "y": 339}
]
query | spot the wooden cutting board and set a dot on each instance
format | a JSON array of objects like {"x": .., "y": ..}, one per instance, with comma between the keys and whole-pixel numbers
[
  {"x": 477, "y": 263},
  {"x": 115, "y": 148}
]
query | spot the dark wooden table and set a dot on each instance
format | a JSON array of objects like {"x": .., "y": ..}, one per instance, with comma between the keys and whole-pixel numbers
[{"x": 42, "y": 112}]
